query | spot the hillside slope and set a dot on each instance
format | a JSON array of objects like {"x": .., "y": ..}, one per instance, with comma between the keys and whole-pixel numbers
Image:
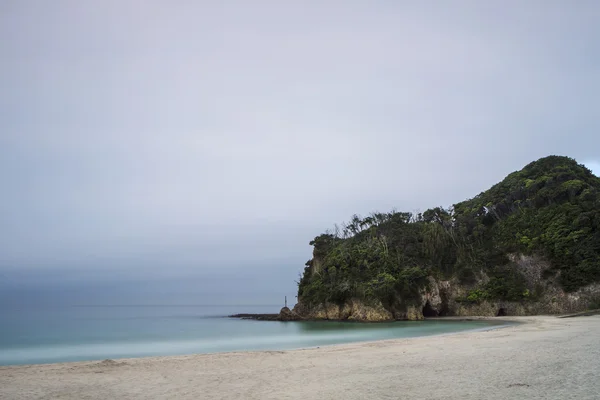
[{"x": 530, "y": 244}]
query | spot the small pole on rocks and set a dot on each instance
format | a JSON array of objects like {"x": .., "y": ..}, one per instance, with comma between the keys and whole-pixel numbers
[{"x": 285, "y": 301}]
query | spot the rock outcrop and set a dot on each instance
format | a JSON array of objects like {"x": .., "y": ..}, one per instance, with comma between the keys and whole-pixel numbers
[
  {"x": 284, "y": 315},
  {"x": 449, "y": 298},
  {"x": 287, "y": 315}
]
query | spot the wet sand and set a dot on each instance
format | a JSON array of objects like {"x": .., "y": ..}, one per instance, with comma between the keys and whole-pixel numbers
[{"x": 542, "y": 358}]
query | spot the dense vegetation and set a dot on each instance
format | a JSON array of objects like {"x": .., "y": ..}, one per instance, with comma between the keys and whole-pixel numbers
[{"x": 550, "y": 208}]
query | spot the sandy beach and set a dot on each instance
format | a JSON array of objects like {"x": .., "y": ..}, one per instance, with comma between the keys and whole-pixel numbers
[{"x": 542, "y": 358}]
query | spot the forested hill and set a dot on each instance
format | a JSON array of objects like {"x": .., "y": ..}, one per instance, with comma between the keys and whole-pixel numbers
[{"x": 549, "y": 210}]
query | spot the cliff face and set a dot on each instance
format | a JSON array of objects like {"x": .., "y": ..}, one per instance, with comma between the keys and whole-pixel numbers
[
  {"x": 528, "y": 245},
  {"x": 352, "y": 310},
  {"x": 451, "y": 298}
]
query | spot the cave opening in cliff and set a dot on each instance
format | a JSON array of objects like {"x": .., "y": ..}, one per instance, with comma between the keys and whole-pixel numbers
[
  {"x": 444, "y": 312},
  {"x": 429, "y": 311},
  {"x": 501, "y": 312}
]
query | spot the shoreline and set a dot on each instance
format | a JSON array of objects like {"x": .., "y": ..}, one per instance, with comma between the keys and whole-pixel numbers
[
  {"x": 495, "y": 323},
  {"x": 532, "y": 357},
  {"x": 272, "y": 317}
]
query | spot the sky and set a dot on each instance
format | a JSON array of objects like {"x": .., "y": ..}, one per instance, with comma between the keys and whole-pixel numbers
[{"x": 209, "y": 142}]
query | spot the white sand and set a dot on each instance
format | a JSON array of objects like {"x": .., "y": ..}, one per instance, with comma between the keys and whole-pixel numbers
[{"x": 545, "y": 358}]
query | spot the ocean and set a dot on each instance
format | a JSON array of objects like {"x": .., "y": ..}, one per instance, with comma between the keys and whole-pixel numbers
[{"x": 48, "y": 334}]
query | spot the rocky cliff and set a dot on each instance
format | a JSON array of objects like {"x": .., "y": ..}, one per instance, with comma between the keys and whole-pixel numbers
[{"x": 451, "y": 298}]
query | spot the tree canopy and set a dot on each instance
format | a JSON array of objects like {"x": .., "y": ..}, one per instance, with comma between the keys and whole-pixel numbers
[{"x": 550, "y": 208}]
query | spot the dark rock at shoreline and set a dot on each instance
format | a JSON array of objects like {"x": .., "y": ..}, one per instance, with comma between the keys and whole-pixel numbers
[
  {"x": 287, "y": 315},
  {"x": 284, "y": 315},
  {"x": 258, "y": 317}
]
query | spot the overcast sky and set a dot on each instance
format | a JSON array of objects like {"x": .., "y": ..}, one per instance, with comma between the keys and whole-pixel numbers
[{"x": 183, "y": 136}]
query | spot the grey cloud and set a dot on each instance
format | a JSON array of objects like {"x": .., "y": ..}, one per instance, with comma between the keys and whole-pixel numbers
[{"x": 196, "y": 134}]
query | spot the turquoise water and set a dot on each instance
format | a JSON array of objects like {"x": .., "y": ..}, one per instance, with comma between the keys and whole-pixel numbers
[{"x": 31, "y": 335}]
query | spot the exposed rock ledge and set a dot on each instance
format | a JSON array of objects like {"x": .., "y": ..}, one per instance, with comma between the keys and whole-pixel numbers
[
  {"x": 284, "y": 315},
  {"x": 353, "y": 310},
  {"x": 442, "y": 298},
  {"x": 258, "y": 317},
  {"x": 439, "y": 300}
]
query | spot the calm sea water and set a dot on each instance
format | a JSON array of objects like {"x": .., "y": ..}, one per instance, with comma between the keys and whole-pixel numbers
[{"x": 31, "y": 335}]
